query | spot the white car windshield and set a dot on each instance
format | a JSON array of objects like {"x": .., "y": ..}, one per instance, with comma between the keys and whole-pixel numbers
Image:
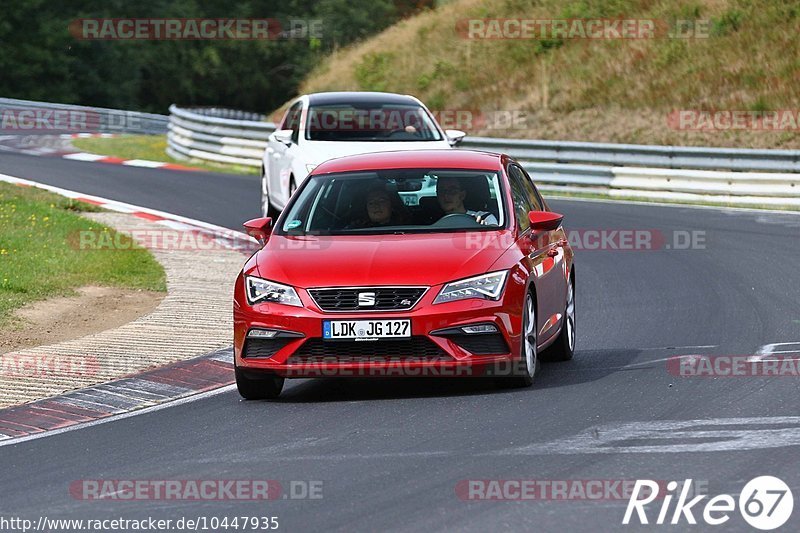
[
  {"x": 396, "y": 201},
  {"x": 370, "y": 122}
]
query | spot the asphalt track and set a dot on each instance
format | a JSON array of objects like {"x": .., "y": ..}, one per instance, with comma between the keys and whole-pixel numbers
[{"x": 391, "y": 453}]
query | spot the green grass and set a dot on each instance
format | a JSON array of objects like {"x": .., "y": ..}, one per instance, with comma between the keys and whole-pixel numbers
[
  {"x": 40, "y": 257},
  {"x": 150, "y": 148},
  {"x": 611, "y": 90}
]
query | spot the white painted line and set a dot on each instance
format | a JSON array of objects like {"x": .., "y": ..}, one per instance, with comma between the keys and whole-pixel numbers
[
  {"x": 121, "y": 416},
  {"x": 678, "y": 347},
  {"x": 155, "y": 387},
  {"x": 176, "y": 225},
  {"x": 770, "y": 349},
  {"x": 119, "y": 208},
  {"x": 145, "y": 396},
  {"x": 123, "y": 207},
  {"x": 643, "y": 363},
  {"x": 677, "y": 436},
  {"x": 108, "y": 392},
  {"x": 78, "y": 402},
  {"x": 83, "y": 156},
  {"x": 631, "y": 366},
  {"x": 143, "y": 163}
]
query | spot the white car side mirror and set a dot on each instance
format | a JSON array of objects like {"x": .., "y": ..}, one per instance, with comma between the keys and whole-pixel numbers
[
  {"x": 283, "y": 136},
  {"x": 455, "y": 136}
]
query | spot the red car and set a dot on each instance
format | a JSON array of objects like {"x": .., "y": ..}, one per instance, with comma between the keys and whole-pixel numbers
[{"x": 416, "y": 263}]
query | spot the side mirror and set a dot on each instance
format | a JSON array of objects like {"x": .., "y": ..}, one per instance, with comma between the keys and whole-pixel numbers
[
  {"x": 454, "y": 136},
  {"x": 259, "y": 229},
  {"x": 544, "y": 220},
  {"x": 283, "y": 136}
]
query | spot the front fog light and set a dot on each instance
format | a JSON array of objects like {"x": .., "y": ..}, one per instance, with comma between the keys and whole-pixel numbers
[
  {"x": 261, "y": 333},
  {"x": 480, "y": 328}
]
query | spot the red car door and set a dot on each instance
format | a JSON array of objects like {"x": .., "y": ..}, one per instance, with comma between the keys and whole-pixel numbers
[{"x": 544, "y": 255}]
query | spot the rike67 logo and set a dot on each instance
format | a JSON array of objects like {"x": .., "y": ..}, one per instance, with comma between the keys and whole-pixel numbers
[{"x": 765, "y": 503}]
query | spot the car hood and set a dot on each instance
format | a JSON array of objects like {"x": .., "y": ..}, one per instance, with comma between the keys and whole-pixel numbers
[
  {"x": 411, "y": 259},
  {"x": 320, "y": 151}
]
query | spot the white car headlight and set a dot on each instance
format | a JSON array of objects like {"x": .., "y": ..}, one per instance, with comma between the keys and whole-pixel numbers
[
  {"x": 488, "y": 287},
  {"x": 262, "y": 290}
]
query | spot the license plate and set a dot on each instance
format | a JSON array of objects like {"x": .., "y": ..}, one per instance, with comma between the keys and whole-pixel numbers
[{"x": 366, "y": 329}]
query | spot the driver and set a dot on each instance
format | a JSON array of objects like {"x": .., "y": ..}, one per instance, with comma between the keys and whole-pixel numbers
[{"x": 451, "y": 197}]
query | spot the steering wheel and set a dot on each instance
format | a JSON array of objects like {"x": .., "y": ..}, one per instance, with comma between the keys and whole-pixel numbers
[
  {"x": 415, "y": 133},
  {"x": 455, "y": 220}
]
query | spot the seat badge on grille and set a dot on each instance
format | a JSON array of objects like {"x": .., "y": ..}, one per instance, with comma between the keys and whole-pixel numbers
[
  {"x": 405, "y": 302},
  {"x": 366, "y": 299}
]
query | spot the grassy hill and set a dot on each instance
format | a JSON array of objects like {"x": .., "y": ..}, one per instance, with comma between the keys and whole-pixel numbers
[{"x": 615, "y": 90}]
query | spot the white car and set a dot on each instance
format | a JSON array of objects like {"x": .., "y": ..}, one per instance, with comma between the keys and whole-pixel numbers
[{"x": 323, "y": 126}]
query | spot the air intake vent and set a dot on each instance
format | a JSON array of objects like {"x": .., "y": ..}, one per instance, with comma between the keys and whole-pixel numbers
[{"x": 360, "y": 299}]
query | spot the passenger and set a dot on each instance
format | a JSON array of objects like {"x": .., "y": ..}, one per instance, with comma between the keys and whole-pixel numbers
[
  {"x": 384, "y": 208},
  {"x": 451, "y": 197}
]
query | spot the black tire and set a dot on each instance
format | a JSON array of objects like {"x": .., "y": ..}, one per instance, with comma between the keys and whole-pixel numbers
[
  {"x": 523, "y": 370},
  {"x": 263, "y": 387},
  {"x": 564, "y": 346},
  {"x": 267, "y": 208}
]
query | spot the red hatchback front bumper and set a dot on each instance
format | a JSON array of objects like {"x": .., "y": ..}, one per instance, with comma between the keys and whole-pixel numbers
[{"x": 435, "y": 348}]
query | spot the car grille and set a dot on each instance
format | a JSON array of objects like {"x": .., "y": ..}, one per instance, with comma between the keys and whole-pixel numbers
[
  {"x": 491, "y": 344},
  {"x": 408, "y": 350},
  {"x": 264, "y": 347},
  {"x": 386, "y": 298}
]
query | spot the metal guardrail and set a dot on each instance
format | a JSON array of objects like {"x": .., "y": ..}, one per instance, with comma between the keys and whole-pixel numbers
[
  {"x": 641, "y": 155},
  {"x": 744, "y": 176},
  {"x": 27, "y": 116},
  {"x": 218, "y": 135}
]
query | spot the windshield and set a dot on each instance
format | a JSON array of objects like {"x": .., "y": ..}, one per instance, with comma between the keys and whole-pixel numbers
[
  {"x": 370, "y": 122},
  {"x": 396, "y": 201}
]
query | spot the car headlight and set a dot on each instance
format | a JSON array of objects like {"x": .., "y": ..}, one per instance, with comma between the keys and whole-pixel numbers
[
  {"x": 487, "y": 287},
  {"x": 262, "y": 290}
]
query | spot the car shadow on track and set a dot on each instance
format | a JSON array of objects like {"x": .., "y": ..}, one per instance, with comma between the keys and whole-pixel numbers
[{"x": 587, "y": 366}]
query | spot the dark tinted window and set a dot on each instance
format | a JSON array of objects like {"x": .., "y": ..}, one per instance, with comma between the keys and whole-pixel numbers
[
  {"x": 520, "y": 193},
  {"x": 395, "y": 200},
  {"x": 370, "y": 121},
  {"x": 535, "y": 197},
  {"x": 292, "y": 120}
]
